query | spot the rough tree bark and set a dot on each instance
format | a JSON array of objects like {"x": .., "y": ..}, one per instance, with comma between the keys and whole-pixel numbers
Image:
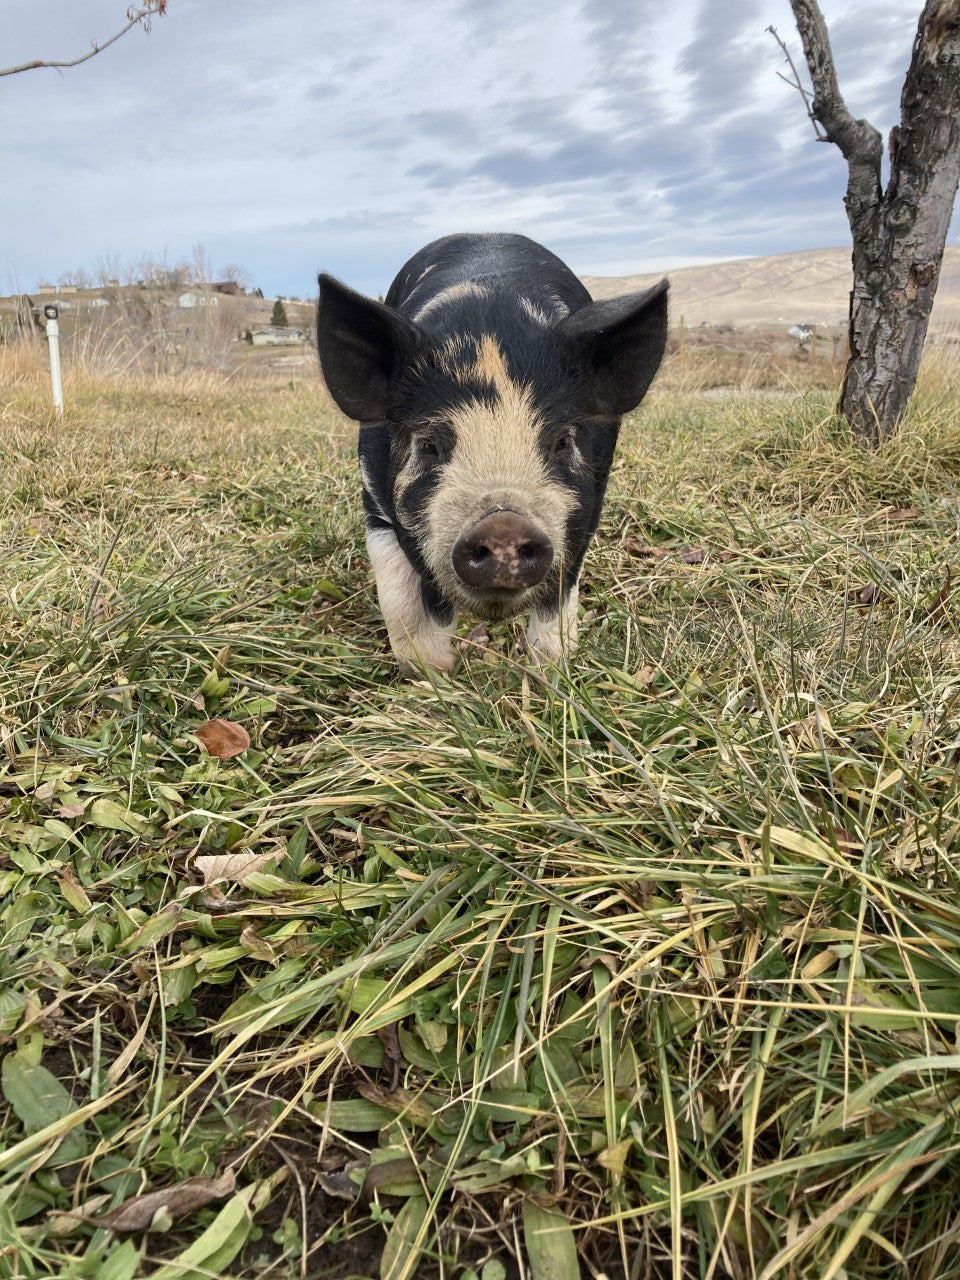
[{"x": 898, "y": 232}]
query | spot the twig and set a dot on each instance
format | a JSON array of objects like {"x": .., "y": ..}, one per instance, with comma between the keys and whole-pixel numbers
[
  {"x": 796, "y": 83},
  {"x": 135, "y": 17}
]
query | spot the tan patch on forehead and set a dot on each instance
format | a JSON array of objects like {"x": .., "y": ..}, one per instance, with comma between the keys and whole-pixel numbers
[
  {"x": 455, "y": 293},
  {"x": 490, "y": 366}
]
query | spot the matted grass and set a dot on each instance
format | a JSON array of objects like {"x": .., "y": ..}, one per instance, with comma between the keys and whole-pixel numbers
[{"x": 649, "y": 969}]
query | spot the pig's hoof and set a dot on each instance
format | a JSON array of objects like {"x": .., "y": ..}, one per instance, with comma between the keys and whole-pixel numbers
[
  {"x": 415, "y": 653},
  {"x": 547, "y": 651}
]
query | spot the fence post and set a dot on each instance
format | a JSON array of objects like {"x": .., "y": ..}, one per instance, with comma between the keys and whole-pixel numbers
[{"x": 51, "y": 315}]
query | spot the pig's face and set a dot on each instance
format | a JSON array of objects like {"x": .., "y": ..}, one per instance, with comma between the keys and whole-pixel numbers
[
  {"x": 486, "y": 475},
  {"x": 501, "y": 430}
]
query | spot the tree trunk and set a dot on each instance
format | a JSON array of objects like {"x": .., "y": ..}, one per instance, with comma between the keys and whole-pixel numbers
[{"x": 898, "y": 234}]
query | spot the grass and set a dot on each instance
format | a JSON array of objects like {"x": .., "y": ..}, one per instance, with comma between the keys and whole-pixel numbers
[{"x": 651, "y": 969}]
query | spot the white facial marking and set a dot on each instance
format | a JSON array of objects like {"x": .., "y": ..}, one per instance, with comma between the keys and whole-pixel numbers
[
  {"x": 415, "y": 638},
  {"x": 496, "y": 462},
  {"x": 553, "y": 637}
]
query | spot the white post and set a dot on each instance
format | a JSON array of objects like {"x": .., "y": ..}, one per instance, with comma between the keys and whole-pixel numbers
[{"x": 52, "y": 313}]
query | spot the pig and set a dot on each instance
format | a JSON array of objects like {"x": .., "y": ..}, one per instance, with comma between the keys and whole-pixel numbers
[{"x": 489, "y": 390}]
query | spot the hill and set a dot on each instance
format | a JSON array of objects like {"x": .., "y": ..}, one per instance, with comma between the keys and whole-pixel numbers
[{"x": 811, "y": 286}]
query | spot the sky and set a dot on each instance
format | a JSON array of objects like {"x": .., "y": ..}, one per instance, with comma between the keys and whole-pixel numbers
[{"x": 306, "y": 135}]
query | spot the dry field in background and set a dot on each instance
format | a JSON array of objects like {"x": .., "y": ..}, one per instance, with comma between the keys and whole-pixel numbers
[{"x": 650, "y": 969}]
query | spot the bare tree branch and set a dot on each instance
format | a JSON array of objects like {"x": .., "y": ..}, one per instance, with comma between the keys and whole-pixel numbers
[
  {"x": 797, "y": 84},
  {"x": 898, "y": 233},
  {"x": 858, "y": 140},
  {"x": 135, "y": 17}
]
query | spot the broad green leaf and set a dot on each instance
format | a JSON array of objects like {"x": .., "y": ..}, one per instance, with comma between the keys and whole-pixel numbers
[
  {"x": 352, "y": 1115},
  {"x": 115, "y": 817},
  {"x": 391, "y": 1170},
  {"x": 484, "y": 1174},
  {"x": 213, "y": 1251},
  {"x": 401, "y": 1252},
  {"x": 39, "y": 1099},
  {"x": 551, "y": 1247},
  {"x": 121, "y": 1263}
]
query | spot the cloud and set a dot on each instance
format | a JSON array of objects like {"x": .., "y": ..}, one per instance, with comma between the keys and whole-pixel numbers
[{"x": 293, "y": 137}]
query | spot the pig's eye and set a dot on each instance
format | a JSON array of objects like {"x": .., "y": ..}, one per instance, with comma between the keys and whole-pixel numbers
[
  {"x": 428, "y": 449},
  {"x": 562, "y": 446}
]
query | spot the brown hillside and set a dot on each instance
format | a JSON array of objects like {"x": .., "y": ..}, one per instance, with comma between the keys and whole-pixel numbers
[{"x": 809, "y": 287}]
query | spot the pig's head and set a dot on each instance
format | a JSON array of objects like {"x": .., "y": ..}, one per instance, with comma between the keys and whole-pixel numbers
[{"x": 501, "y": 433}]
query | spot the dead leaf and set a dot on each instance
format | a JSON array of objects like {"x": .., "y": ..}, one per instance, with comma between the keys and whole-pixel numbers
[
  {"x": 138, "y": 1213},
  {"x": 479, "y": 637},
  {"x": 938, "y": 610},
  {"x": 223, "y": 738},
  {"x": 902, "y": 514},
  {"x": 634, "y": 547},
  {"x": 390, "y": 1040},
  {"x": 231, "y": 866},
  {"x": 340, "y": 1184},
  {"x": 71, "y": 810},
  {"x": 693, "y": 555}
]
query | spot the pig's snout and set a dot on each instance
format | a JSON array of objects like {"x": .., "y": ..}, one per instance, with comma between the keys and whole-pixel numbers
[{"x": 503, "y": 551}]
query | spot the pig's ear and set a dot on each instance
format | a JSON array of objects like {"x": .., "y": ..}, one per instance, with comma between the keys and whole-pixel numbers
[
  {"x": 622, "y": 341},
  {"x": 363, "y": 346}
]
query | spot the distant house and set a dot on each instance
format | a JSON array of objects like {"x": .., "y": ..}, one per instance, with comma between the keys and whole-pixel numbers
[
  {"x": 46, "y": 288},
  {"x": 273, "y": 336},
  {"x": 68, "y": 288},
  {"x": 230, "y": 287},
  {"x": 194, "y": 299}
]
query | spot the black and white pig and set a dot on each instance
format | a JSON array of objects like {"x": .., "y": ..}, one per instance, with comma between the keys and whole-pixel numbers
[{"x": 489, "y": 391}]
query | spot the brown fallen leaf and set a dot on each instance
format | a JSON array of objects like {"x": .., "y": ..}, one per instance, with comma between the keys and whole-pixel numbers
[
  {"x": 223, "y": 738},
  {"x": 902, "y": 514},
  {"x": 338, "y": 1183},
  {"x": 643, "y": 550},
  {"x": 479, "y": 637},
  {"x": 138, "y": 1213},
  {"x": 693, "y": 555},
  {"x": 231, "y": 866},
  {"x": 391, "y": 1052},
  {"x": 938, "y": 610}
]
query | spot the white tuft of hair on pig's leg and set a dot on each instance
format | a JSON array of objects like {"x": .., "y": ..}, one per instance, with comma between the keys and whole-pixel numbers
[
  {"x": 416, "y": 638},
  {"x": 552, "y": 636}
]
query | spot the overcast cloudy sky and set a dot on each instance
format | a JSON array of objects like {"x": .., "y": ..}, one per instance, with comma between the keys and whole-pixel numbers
[{"x": 628, "y": 135}]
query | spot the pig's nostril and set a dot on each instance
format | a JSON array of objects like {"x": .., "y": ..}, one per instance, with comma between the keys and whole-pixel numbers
[{"x": 503, "y": 552}]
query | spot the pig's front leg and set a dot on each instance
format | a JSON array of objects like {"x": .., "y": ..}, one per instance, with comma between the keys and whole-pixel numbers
[
  {"x": 416, "y": 638},
  {"x": 552, "y": 635}
]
